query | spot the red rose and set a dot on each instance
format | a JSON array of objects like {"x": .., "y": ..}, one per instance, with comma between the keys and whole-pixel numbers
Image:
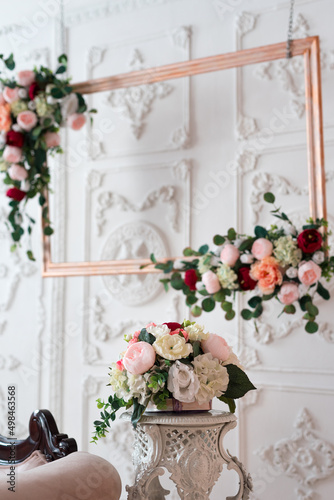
[
  {"x": 16, "y": 194},
  {"x": 33, "y": 89},
  {"x": 310, "y": 241},
  {"x": 245, "y": 281},
  {"x": 172, "y": 326},
  {"x": 15, "y": 139},
  {"x": 190, "y": 278}
]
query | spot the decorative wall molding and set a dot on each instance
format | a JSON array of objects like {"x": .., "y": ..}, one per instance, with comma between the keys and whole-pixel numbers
[
  {"x": 164, "y": 194},
  {"x": 246, "y": 127},
  {"x": 245, "y": 22},
  {"x": 305, "y": 457}
]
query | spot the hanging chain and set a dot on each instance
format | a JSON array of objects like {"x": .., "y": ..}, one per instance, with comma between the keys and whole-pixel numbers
[{"x": 290, "y": 30}]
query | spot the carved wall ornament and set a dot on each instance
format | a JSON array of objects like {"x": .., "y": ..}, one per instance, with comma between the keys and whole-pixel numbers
[
  {"x": 246, "y": 126},
  {"x": 164, "y": 194},
  {"x": 181, "y": 37},
  {"x": 245, "y": 22},
  {"x": 181, "y": 170},
  {"x": 305, "y": 457},
  {"x": 129, "y": 241}
]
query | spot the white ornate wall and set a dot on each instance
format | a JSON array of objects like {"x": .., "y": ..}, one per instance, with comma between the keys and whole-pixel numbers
[{"x": 165, "y": 166}]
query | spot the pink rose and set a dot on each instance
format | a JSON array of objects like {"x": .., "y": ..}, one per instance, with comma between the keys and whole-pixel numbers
[
  {"x": 229, "y": 254},
  {"x": 52, "y": 139},
  {"x": 288, "y": 293},
  {"x": 135, "y": 337},
  {"x": 309, "y": 273},
  {"x": 11, "y": 95},
  {"x": 262, "y": 248},
  {"x": 120, "y": 365},
  {"x": 211, "y": 282},
  {"x": 180, "y": 331},
  {"x": 217, "y": 346},
  {"x": 17, "y": 173},
  {"x": 76, "y": 121},
  {"x": 139, "y": 358},
  {"x": 12, "y": 154},
  {"x": 150, "y": 324},
  {"x": 25, "y": 78},
  {"x": 27, "y": 120}
]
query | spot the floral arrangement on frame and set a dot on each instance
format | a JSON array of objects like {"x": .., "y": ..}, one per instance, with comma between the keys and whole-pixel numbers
[
  {"x": 275, "y": 264},
  {"x": 171, "y": 360},
  {"x": 33, "y": 107}
]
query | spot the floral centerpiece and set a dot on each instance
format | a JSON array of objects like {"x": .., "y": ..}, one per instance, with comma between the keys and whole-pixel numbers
[
  {"x": 33, "y": 106},
  {"x": 172, "y": 360},
  {"x": 278, "y": 263}
]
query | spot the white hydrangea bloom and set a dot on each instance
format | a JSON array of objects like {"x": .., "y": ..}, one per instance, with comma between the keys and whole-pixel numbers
[
  {"x": 227, "y": 277},
  {"x": 287, "y": 252},
  {"x": 196, "y": 332},
  {"x": 119, "y": 383},
  {"x": 138, "y": 387},
  {"x": 213, "y": 377}
]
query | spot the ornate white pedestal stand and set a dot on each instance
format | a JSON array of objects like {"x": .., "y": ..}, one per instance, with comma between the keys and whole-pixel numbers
[{"x": 190, "y": 447}]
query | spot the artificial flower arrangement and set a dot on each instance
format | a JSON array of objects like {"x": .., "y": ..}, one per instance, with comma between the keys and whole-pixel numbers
[
  {"x": 278, "y": 263},
  {"x": 172, "y": 360},
  {"x": 32, "y": 109}
]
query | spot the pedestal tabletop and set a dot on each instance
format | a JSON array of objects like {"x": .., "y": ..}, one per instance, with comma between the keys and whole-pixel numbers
[{"x": 190, "y": 447}]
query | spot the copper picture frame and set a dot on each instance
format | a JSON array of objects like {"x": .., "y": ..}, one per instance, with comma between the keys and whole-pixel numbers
[{"x": 308, "y": 47}]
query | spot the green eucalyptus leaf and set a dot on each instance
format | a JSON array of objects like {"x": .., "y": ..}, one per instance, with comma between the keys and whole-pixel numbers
[
  {"x": 196, "y": 311},
  {"x": 311, "y": 327},
  {"x": 218, "y": 240},
  {"x": 323, "y": 292},
  {"x": 269, "y": 197},
  {"x": 246, "y": 314},
  {"x": 208, "y": 304}
]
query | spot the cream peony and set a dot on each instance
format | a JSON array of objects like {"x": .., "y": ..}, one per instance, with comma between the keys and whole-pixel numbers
[
  {"x": 213, "y": 377},
  {"x": 172, "y": 347},
  {"x": 182, "y": 382},
  {"x": 196, "y": 332},
  {"x": 158, "y": 330}
]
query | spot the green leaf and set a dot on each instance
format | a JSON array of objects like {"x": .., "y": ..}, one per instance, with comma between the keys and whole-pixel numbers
[
  {"x": 269, "y": 197},
  {"x": 153, "y": 259},
  {"x": 36, "y": 132},
  {"x": 239, "y": 383},
  {"x": 31, "y": 255},
  {"x": 311, "y": 309},
  {"x": 145, "y": 336},
  {"x": 219, "y": 296},
  {"x": 188, "y": 252},
  {"x": 260, "y": 232},
  {"x": 138, "y": 410},
  {"x": 60, "y": 70},
  {"x": 57, "y": 93},
  {"x": 311, "y": 327},
  {"x": 230, "y": 315},
  {"x": 196, "y": 311},
  {"x": 268, "y": 297},
  {"x": 176, "y": 281},
  {"x": 303, "y": 301},
  {"x": 208, "y": 304},
  {"x": 254, "y": 301},
  {"x": 231, "y": 234},
  {"x": 62, "y": 59},
  {"x": 13, "y": 248},
  {"x": 230, "y": 402},
  {"x": 218, "y": 240},
  {"x": 323, "y": 292},
  {"x": 246, "y": 314},
  {"x": 227, "y": 306},
  {"x": 48, "y": 231},
  {"x": 197, "y": 348},
  {"x": 258, "y": 311},
  {"x": 247, "y": 244},
  {"x": 82, "y": 104},
  {"x": 191, "y": 299},
  {"x": 9, "y": 62},
  {"x": 290, "y": 309},
  {"x": 203, "y": 249}
]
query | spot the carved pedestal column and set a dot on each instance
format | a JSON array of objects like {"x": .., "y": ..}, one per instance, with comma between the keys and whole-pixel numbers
[{"x": 190, "y": 447}]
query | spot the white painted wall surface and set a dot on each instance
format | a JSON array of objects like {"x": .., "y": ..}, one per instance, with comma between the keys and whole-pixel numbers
[{"x": 181, "y": 141}]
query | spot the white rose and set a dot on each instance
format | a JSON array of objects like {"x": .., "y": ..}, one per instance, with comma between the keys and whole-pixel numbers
[
  {"x": 178, "y": 264},
  {"x": 318, "y": 257},
  {"x": 196, "y": 332},
  {"x": 158, "y": 330},
  {"x": 247, "y": 258},
  {"x": 291, "y": 272},
  {"x": 22, "y": 93},
  {"x": 31, "y": 105},
  {"x": 182, "y": 382},
  {"x": 200, "y": 285},
  {"x": 69, "y": 105},
  {"x": 172, "y": 347}
]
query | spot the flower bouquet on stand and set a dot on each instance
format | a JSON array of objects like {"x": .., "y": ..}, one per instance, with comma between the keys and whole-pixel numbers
[
  {"x": 279, "y": 263},
  {"x": 33, "y": 107},
  {"x": 172, "y": 360}
]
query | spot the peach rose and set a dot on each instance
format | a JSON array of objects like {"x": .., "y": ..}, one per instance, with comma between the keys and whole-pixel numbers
[
  {"x": 25, "y": 78},
  {"x": 17, "y": 173},
  {"x": 217, "y": 346},
  {"x": 262, "y": 248},
  {"x": 309, "y": 273},
  {"x": 27, "y": 120},
  {"x": 211, "y": 282},
  {"x": 5, "y": 119},
  {"x": 139, "y": 358},
  {"x": 267, "y": 273},
  {"x": 76, "y": 121},
  {"x": 52, "y": 139},
  {"x": 12, "y": 154},
  {"x": 288, "y": 293},
  {"x": 229, "y": 254},
  {"x": 11, "y": 95}
]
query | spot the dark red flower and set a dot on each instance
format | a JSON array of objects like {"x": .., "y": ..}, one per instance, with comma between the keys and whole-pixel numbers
[
  {"x": 172, "y": 326},
  {"x": 16, "y": 194},
  {"x": 14, "y": 139},
  {"x": 245, "y": 281},
  {"x": 310, "y": 241},
  {"x": 33, "y": 89},
  {"x": 190, "y": 278}
]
